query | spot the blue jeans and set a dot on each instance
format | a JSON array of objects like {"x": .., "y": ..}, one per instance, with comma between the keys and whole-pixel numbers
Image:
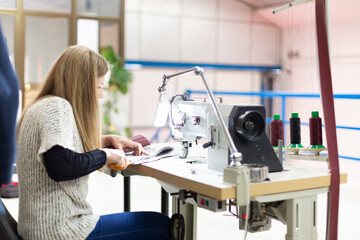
[{"x": 132, "y": 225}]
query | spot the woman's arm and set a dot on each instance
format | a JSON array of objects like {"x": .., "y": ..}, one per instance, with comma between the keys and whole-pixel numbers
[
  {"x": 63, "y": 164},
  {"x": 118, "y": 142}
]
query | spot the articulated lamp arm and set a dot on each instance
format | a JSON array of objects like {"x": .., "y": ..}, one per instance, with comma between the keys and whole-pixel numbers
[{"x": 235, "y": 156}]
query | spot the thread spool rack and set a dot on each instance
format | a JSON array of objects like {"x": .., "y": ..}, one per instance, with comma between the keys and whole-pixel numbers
[{"x": 296, "y": 151}]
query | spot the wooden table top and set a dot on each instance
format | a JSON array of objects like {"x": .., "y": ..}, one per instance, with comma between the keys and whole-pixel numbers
[{"x": 198, "y": 178}]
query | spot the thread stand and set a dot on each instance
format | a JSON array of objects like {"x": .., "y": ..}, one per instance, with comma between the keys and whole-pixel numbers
[
  {"x": 316, "y": 151},
  {"x": 295, "y": 150},
  {"x": 307, "y": 154},
  {"x": 312, "y": 154}
]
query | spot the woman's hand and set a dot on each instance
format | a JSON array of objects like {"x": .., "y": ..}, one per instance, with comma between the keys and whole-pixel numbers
[
  {"x": 116, "y": 156},
  {"x": 118, "y": 142}
]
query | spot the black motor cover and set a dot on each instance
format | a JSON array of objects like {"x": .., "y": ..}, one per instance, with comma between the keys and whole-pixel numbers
[{"x": 247, "y": 129}]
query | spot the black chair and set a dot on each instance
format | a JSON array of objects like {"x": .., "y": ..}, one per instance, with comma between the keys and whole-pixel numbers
[{"x": 8, "y": 225}]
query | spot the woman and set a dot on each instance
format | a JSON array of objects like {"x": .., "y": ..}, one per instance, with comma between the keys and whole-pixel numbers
[{"x": 59, "y": 144}]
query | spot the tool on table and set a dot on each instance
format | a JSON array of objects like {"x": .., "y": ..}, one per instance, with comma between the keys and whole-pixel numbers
[{"x": 139, "y": 139}]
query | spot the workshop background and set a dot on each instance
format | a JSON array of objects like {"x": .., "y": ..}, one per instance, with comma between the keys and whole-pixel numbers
[{"x": 156, "y": 37}]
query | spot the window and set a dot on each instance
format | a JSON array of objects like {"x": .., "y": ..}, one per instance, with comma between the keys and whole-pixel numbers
[
  {"x": 103, "y": 8},
  {"x": 7, "y": 4},
  {"x": 58, "y": 6},
  {"x": 38, "y": 33},
  {"x": 7, "y": 26},
  {"x": 109, "y": 35},
  {"x": 88, "y": 33},
  {"x": 45, "y": 38}
]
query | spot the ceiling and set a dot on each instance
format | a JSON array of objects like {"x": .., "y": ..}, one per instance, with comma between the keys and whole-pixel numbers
[
  {"x": 259, "y": 4},
  {"x": 303, "y": 14}
]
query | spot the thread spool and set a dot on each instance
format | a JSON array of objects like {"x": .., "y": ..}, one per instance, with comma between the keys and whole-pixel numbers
[
  {"x": 276, "y": 131},
  {"x": 315, "y": 131},
  {"x": 295, "y": 132}
]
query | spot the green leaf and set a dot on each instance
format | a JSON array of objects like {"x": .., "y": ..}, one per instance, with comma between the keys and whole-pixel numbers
[
  {"x": 106, "y": 120},
  {"x": 120, "y": 77},
  {"x": 128, "y": 132},
  {"x": 114, "y": 132}
]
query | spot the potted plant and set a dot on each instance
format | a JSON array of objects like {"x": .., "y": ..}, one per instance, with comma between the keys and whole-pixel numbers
[{"x": 113, "y": 99}]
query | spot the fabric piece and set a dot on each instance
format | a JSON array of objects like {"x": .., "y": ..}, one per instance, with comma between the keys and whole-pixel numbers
[{"x": 139, "y": 139}]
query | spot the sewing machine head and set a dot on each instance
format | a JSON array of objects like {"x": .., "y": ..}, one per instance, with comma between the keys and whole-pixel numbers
[
  {"x": 235, "y": 132},
  {"x": 191, "y": 120}
]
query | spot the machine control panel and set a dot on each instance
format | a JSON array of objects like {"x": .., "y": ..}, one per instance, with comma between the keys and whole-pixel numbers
[{"x": 210, "y": 203}]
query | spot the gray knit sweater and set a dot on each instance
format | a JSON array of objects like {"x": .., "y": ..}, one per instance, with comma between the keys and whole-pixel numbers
[{"x": 48, "y": 209}]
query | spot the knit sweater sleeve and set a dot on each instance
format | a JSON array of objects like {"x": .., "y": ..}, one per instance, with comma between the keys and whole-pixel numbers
[
  {"x": 63, "y": 164},
  {"x": 56, "y": 122}
]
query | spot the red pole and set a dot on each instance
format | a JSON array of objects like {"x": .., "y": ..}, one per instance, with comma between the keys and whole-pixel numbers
[{"x": 329, "y": 118}]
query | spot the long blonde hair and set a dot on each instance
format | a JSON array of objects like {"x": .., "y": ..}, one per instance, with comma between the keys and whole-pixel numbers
[{"x": 73, "y": 77}]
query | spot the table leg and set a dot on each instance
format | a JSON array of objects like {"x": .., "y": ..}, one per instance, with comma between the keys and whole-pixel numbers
[
  {"x": 189, "y": 213},
  {"x": 164, "y": 202},
  {"x": 301, "y": 218},
  {"x": 126, "y": 194}
]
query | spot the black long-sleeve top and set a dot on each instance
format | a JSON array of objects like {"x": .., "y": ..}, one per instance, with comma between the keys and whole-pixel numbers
[{"x": 63, "y": 164}]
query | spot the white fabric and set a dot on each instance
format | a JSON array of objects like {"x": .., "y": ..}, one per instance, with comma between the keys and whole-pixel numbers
[{"x": 49, "y": 209}]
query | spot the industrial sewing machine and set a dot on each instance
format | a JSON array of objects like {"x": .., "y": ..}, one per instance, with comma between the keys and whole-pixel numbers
[
  {"x": 244, "y": 125},
  {"x": 190, "y": 120}
]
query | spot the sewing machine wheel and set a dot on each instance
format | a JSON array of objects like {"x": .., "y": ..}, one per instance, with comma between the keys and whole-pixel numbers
[
  {"x": 177, "y": 227},
  {"x": 250, "y": 125}
]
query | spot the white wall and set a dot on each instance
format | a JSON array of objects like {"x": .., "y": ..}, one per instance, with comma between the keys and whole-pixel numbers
[
  {"x": 202, "y": 31},
  {"x": 303, "y": 78}
]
